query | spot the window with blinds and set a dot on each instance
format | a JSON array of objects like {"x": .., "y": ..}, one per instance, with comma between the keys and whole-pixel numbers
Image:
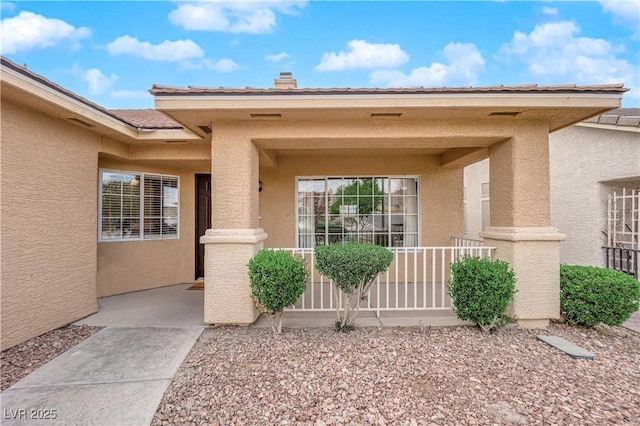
[{"x": 138, "y": 206}]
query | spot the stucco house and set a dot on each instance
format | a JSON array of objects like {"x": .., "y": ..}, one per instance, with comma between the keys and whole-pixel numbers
[
  {"x": 593, "y": 164},
  {"x": 98, "y": 202}
]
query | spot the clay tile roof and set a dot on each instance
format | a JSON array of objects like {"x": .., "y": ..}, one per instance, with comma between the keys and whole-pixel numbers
[
  {"x": 628, "y": 117},
  {"x": 146, "y": 118},
  {"x": 530, "y": 88}
]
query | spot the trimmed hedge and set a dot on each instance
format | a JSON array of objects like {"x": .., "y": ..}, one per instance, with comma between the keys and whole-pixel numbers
[
  {"x": 278, "y": 278},
  {"x": 353, "y": 267},
  {"x": 590, "y": 295},
  {"x": 481, "y": 290}
]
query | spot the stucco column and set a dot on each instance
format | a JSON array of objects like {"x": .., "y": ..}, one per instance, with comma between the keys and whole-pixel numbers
[
  {"x": 234, "y": 236},
  {"x": 521, "y": 223}
]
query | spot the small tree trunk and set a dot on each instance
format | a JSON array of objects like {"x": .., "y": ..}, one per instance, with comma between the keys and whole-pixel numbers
[
  {"x": 337, "y": 300},
  {"x": 276, "y": 322},
  {"x": 350, "y": 317}
]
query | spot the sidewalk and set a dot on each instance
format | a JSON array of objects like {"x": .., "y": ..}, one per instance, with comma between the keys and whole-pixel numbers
[
  {"x": 634, "y": 322},
  {"x": 116, "y": 377}
]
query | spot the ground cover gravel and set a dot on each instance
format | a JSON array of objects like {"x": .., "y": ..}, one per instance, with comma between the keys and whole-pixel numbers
[
  {"x": 20, "y": 360},
  {"x": 405, "y": 376}
]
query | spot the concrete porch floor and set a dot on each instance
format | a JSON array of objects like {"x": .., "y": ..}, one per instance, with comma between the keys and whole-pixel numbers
[
  {"x": 176, "y": 306},
  {"x": 171, "y": 306}
]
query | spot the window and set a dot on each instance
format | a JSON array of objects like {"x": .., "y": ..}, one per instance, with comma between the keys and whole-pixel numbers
[
  {"x": 378, "y": 210},
  {"x": 138, "y": 206}
]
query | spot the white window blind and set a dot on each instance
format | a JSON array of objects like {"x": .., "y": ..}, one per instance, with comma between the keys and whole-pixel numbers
[{"x": 137, "y": 206}]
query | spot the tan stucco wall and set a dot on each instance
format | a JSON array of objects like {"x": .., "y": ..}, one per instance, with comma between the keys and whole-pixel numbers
[
  {"x": 519, "y": 178},
  {"x": 49, "y": 181},
  {"x": 441, "y": 192},
  {"x": 532, "y": 253},
  {"x": 139, "y": 265}
]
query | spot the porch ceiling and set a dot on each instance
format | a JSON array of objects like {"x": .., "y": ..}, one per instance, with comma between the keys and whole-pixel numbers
[
  {"x": 356, "y": 152},
  {"x": 430, "y": 145}
]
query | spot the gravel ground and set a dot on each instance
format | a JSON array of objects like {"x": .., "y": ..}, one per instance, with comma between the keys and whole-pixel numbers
[
  {"x": 22, "y": 359},
  {"x": 405, "y": 376}
]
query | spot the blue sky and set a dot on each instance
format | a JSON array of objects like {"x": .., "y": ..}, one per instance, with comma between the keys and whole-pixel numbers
[{"x": 112, "y": 52}]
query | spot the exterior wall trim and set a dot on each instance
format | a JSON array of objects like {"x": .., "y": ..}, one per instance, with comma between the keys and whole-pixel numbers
[
  {"x": 233, "y": 236},
  {"x": 522, "y": 234}
]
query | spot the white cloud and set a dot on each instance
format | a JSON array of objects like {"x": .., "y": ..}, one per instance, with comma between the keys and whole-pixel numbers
[
  {"x": 168, "y": 51},
  {"x": 252, "y": 17},
  {"x": 463, "y": 63},
  {"x": 555, "y": 50},
  {"x": 223, "y": 65},
  {"x": 361, "y": 54},
  {"x": 278, "y": 57},
  {"x": 549, "y": 10},
  {"x": 31, "y": 31},
  {"x": 99, "y": 83},
  {"x": 625, "y": 10}
]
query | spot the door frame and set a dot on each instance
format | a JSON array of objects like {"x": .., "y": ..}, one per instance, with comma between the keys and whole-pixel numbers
[{"x": 199, "y": 179}]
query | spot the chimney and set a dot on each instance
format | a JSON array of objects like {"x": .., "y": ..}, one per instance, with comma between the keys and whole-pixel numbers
[{"x": 286, "y": 81}]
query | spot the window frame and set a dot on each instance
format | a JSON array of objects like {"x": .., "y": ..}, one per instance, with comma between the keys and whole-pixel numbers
[
  {"x": 360, "y": 176},
  {"x": 141, "y": 201}
]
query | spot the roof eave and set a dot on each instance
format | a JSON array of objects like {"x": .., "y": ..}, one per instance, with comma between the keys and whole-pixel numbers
[
  {"x": 597, "y": 100},
  {"x": 67, "y": 105},
  {"x": 616, "y": 127}
]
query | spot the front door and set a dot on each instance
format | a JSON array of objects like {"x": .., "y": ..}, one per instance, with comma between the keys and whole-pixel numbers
[{"x": 203, "y": 217}]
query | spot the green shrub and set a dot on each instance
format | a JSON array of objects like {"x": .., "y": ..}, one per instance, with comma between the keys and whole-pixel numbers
[
  {"x": 591, "y": 295},
  {"x": 277, "y": 280},
  {"x": 481, "y": 290},
  {"x": 353, "y": 267}
]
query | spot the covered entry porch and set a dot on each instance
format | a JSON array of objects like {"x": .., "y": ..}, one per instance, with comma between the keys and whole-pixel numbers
[{"x": 264, "y": 141}]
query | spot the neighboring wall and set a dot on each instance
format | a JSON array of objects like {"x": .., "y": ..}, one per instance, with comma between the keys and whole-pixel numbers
[
  {"x": 48, "y": 229},
  {"x": 586, "y": 163},
  {"x": 582, "y": 158},
  {"x": 474, "y": 176},
  {"x": 139, "y": 265},
  {"x": 442, "y": 212}
]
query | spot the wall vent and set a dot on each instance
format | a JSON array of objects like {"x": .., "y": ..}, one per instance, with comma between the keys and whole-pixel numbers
[
  {"x": 266, "y": 115},
  {"x": 504, "y": 113},
  {"x": 386, "y": 114}
]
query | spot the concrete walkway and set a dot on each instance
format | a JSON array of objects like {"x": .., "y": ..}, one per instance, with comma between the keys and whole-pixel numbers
[
  {"x": 116, "y": 377},
  {"x": 634, "y": 322},
  {"x": 119, "y": 375},
  {"x": 169, "y": 306}
]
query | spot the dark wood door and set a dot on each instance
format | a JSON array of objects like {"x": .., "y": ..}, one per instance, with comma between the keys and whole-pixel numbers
[{"x": 203, "y": 217}]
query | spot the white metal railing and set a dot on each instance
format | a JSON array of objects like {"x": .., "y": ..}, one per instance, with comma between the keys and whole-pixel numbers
[
  {"x": 416, "y": 280},
  {"x": 623, "y": 219},
  {"x": 466, "y": 242}
]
